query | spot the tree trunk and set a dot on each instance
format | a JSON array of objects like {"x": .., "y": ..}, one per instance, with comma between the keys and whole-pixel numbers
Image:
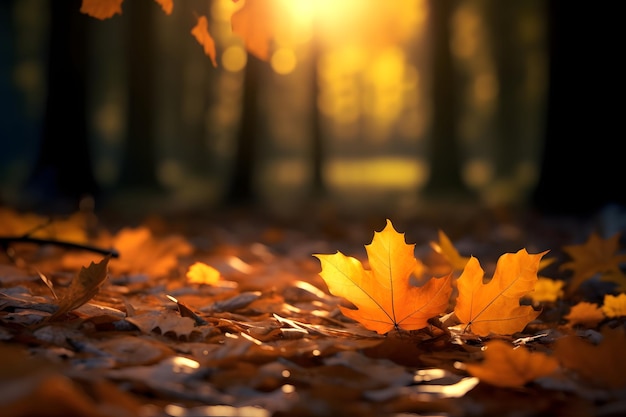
[
  {"x": 445, "y": 176},
  {"x": 63, "y": 170}
]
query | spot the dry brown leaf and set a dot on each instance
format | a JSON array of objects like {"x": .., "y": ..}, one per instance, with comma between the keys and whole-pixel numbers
[
  {"x": 383, "y": 296},
  {"x": 83, "y": 287},
  {"x": 507, "y": 366},
  {"x": 494, "y": 308}
]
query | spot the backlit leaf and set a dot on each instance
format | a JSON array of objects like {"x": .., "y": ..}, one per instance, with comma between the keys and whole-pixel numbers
[
  {"x": 495, "y": 307},
  {"x": 383, "y": 296}
]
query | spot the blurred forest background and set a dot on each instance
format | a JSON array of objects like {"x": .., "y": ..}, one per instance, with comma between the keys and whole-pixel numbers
[{"x": 363, "y": 105}]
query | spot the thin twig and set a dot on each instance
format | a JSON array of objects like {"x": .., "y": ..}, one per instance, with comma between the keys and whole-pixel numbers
[{"x": 5, "y": 241}]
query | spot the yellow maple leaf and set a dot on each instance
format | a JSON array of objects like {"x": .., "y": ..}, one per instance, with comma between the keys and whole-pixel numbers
[
  {"x": 507, "y": 366},
  {"x": 495, "y": 307},
  {"x": 598, "y": 365},
  {"x": 547, "y": 290},
  {"x": 596, "y": 255},
  {"x": 201, "y": 273},
  {"x": 586, "y": 314},
  {"x": 614, "y": 305},
  {"x": 446, "y": 248},
  {"x": 383, "y": 296},
  {"x": 201, "y": 32}
]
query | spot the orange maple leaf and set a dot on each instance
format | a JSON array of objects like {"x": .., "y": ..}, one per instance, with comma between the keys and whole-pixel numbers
[
  {"x": 383, "y": 296},
  {"x": 595, "y": 256},
  {"x": 254, "y": 22},
  {"x": 506, "y": 366},
  {"x": 586, "y": 314},
  {"x": 101, "y": 9},
  {"x": 495, "y": 307},
  {"x": 201, "y": 32}
]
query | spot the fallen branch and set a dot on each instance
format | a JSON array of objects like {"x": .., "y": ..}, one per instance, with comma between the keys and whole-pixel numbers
[{"x": 6, "y": 241}]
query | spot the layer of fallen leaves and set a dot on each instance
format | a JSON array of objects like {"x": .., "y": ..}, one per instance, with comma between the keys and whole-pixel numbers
[{"x": 246, "y": 318}]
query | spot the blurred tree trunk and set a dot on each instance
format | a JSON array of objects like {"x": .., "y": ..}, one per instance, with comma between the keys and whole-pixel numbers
[
  {"x": 445, "y": 176},
  {"x": 139, "y": 161},
  {"x": 63, "y": 169},
  {"x": 318, "y": 189},
  {"x": 240, "y": 191}
]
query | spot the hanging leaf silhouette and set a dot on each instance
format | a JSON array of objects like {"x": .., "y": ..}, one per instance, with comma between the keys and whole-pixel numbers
[
  {"x": 383, "y": 296},
  {"x": 101, "y": 9},
  {"x": 83, "y": 287},
  {"x": 254, "y": 22},
  {"x": 201, "y": 32},
  {"x": 495, "y": 307}
]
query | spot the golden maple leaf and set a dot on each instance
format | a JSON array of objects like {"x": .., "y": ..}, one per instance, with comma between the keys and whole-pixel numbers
[
  {"x": 383, "y": 296},
  {"x": 507, "y": 366},
  {"x": 598, "y": 365},
  {"x": 614, "y": 305},
  {"x": 596, "y": 255},
  {"x": 201, "y": 32},
  {"x": 495, "y": 307}
]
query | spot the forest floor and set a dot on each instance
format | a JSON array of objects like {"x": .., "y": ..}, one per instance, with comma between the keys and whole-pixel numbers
[{"x": 267, "y": 338}]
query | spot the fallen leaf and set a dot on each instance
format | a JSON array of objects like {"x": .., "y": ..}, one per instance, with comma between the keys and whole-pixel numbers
[
  {"x": 598, "y": 365},
  {"x": 595, "y": 256},
  {"x": 512, "y": 367},
  {"x": 614, "y": 305},
  {"x": 383, "y": 296},
  {"x": 586, "y": 314},
  {"x": 547, "y": 290},
  {"x": 201, "y": 32},
  {"x": 494, "y": 308},
  {"x": 83, "y": 287},
  {"x": 101, "y": 9},
  {"x": 446, "y": 248},
  {"x": 201, "y": 273}
]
